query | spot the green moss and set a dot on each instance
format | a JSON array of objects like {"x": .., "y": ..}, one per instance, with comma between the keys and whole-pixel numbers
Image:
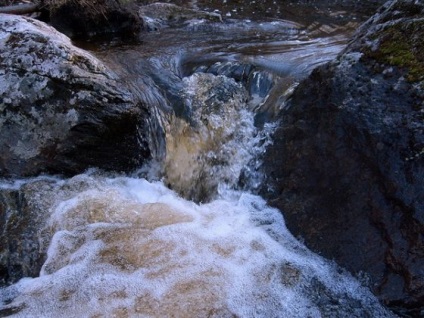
[{"x": 402, "y": 45}]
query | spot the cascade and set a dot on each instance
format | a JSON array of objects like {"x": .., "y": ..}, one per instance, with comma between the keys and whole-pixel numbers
[{"x": 187, "y": 235}]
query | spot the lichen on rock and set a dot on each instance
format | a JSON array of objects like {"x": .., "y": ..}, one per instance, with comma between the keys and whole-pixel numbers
[
  {"x": 395, "y": 37},
  {"x": 62, "y": 109}
]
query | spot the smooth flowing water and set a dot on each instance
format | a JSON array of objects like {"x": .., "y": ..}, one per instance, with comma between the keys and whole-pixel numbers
[{"x": 186, "y": 236}]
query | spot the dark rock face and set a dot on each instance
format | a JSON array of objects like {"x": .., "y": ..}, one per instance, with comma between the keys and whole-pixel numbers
[
  {"x": 22, "y": 218},
  {"x": 62, "y": 111},
  {"x": 347, "y": 163},
  {"x": 85, "y": 19},
  {"x": 25, "y": 222}
]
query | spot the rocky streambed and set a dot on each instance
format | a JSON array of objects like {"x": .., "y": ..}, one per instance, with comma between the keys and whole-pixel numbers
[{"x": 219, "y": 102}]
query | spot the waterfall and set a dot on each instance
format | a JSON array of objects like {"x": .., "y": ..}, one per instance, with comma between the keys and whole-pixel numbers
[{"x": 187, "y": 236}]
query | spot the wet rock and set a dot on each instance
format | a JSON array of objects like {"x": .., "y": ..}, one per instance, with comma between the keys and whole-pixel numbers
[
  {"x": 159, "y": 15},
  {"x": 23, "y": 8},
  {"x": 258, "y": 82},
  {"x": 62, "y": 110},
  {"x": 347, "y": 163},
  {"x": 85, "y": 19},
  {"x": 25, "y": 230},
  {"x": 23, "y": 214}
]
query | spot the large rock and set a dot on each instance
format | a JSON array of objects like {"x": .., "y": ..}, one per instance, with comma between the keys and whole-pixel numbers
[
  {"x": 347, "y": 163},
  {"x": 62, "y": 110},
  {"x": 85, "y": 19}
]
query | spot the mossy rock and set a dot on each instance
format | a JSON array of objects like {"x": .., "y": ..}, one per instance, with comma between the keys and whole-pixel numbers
[{"x": 402, "y": 45}]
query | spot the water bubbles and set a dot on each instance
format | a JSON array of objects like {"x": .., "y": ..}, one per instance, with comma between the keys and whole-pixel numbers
[
  {"x": 129, "y": 247},
  {"x": 217, "y": 143}
]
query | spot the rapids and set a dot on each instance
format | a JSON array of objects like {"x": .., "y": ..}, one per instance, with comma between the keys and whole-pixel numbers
[
  {"x": 187, "y": 236},
  {"x": 127, "y": 247},
  {"x": 215, "y": 90}
]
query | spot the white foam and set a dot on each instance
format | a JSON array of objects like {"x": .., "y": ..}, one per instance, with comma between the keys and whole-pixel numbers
[
  {"x": 220, "y": 142},
  {"x": 126, "y": 247}
]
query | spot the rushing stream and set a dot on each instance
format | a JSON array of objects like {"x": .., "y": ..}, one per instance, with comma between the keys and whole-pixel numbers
[{"x": 186, "y": 236}]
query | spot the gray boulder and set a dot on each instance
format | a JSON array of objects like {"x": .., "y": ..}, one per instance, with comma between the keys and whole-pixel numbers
[
  {"x": 61, "y": 109},
  {"x": 347, "y": 163}
]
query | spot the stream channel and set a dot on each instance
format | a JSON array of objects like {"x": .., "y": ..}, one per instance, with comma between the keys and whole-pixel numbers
[{"x": 187, "y": 235}]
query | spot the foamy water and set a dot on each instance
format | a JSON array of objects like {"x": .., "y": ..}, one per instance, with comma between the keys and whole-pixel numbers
[
  {"x": 218, "y": 143},
  {"x": 124, "y": 247}
]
